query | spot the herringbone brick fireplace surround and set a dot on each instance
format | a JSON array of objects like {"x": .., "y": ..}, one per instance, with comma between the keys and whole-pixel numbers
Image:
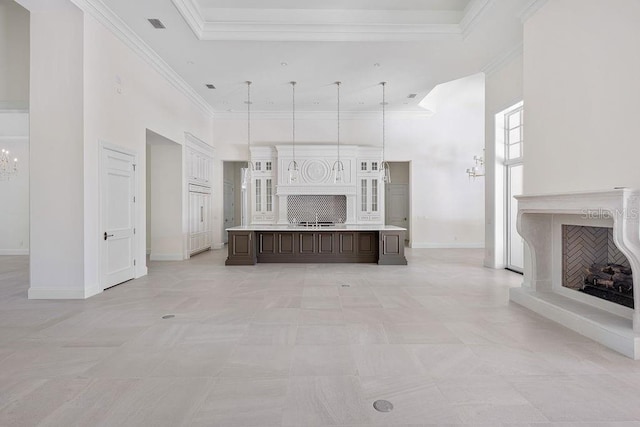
[{"x": 583, "y": 247}]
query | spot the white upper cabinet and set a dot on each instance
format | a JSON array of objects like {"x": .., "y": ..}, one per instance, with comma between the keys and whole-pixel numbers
[{"x": 263, "y": 185}]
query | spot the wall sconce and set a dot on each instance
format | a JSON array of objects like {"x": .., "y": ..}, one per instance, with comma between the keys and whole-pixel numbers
[{"x": 477, "y": 169}]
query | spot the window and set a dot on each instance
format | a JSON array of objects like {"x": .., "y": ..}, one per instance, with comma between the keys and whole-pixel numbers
[
  {"x": 363, "y": 166},
  {"x": 268, "y": 166},
  {"x": 513, "y": 155},
  {"x": 374, "y": 166},
  {"x": 258, "y": 166},
  {"x": 513, "y": 134}
]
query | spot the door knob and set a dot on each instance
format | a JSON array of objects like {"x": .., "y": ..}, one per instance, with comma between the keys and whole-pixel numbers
[{"x": 106, "y": 236}]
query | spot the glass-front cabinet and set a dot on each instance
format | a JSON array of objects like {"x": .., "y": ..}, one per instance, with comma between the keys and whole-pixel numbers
[
  {"x": 263, "y": 191},
  {"x": 263, "y": 186},
  {"x": 369, "y": 199}
]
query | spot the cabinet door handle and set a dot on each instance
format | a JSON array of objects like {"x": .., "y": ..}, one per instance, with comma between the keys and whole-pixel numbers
[
  {"x": 201, "y": 213},
  {"x": 106, "y": 236}
]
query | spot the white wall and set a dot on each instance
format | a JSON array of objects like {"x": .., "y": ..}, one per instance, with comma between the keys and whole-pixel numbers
[
  {"x": 14, "y": 194},
  {"x": 447, "y": 208},
  {"x": 14, "y": 55},
  {"x": 120, "y": 113},
  {"x": 581, "y": 91},
  {"x": 56, "y": 154},
  {"x": 103, "y": 92},
  {"x": 165, "y": 176},
  {"x": 503, "y": 89}
]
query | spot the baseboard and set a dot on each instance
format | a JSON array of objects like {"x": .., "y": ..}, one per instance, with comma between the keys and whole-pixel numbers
[
  {"x": 490, "y": 264},
  {"x": 166, "y": 257},
  {"x": 36, "y": 293},
  {"x": 14, "y": 251},
  {"x": 141, "y": 271},
  {"x": 428, "y": 245}
]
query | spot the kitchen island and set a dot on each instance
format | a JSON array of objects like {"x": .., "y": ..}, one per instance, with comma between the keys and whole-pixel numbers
[{"x": 381, "y": 244}]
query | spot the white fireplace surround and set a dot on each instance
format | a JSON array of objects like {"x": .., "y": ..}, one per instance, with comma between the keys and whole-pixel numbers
[{"x": 540, "y": 218}]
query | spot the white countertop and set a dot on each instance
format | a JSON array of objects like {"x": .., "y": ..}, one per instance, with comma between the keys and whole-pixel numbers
[{"x": 339, "y": 227}]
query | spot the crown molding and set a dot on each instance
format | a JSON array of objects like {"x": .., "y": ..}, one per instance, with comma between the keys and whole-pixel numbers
[
  {"x": 272, "y": 30},
  {"x": 530, "y": 9},
  {"x": 192, "y": 15},
  {"x": 195, "y": 142},
  {"x": 321, "y": 115},
  {"x": 503, "y": 59},
  {"x": 104, "y": 15},
  {"x": 472, "y": 13}
]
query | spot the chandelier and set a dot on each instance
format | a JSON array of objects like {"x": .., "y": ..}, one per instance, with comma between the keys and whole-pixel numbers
[
  {"x": 8, "y": 166},
  {"x": 477, "y": 169},
  {"x": 338, "y": 167},
  {"x": 293, "y": 165},
  {"x": 385, "y": 170}
]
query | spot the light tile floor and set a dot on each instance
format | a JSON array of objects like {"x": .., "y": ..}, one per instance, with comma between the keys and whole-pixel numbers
[{"x": 303, "y": 345}]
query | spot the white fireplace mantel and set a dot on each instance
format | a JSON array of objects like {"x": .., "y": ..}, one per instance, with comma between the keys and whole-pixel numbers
[{"x": 539, "y": 217}]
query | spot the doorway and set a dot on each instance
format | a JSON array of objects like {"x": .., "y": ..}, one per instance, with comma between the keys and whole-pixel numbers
[
  {"x": 397, "y": 200},
  {"x": 232, "y": 196}
]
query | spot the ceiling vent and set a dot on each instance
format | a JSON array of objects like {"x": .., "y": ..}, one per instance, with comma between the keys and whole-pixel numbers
[
  {"x": 210, "y": 86},
  {"x": 157, "y": 24},
  {"x": 412, "y": 95}
]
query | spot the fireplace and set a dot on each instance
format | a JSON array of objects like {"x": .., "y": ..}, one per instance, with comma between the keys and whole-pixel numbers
[
  {"x": 608, "y": 224},
  {"x": 593, "y": 264}
]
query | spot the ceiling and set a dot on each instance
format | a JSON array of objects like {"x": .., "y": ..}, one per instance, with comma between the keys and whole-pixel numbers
[{"x": 411, "y": 44}]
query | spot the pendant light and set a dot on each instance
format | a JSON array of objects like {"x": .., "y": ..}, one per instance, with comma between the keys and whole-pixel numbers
[
  {"x": 248, "y": 171},
  {"x": 338, "y": 167},
  {"x": 385, "y": 170},
  {"x": 293, "y": 165}
]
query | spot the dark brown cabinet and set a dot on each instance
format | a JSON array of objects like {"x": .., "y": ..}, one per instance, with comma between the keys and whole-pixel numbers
[
  {"x": 316, "y": 246},
  {"x": 241, "y": 248},
  {"x": 392, "y": 248}
]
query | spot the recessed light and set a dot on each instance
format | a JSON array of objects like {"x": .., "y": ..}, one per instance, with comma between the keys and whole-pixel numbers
[
  {"x": 316, "y": 102},
  {"x": 377, "y": 64},
  {"x": 361, "y": 103},
  {"x": 190, "y": 62},
  {"x": 225, "y": 102},
  {"x": 412, "y": 95},
  {"x": 156, "y": 23},
  {"x": 210, "y": 86},
  {"x": 270, "y": 102},
  {"x": 284, "y": 64}
]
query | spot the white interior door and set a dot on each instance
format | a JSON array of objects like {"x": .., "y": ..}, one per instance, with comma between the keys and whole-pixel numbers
[
  {"x": 118, "y": 217},
  {"x": 397, "y": 205}
]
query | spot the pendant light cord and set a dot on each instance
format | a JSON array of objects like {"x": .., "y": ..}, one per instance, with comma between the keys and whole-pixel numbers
[
  {"x": 384, "y": 103},
  {"x": 293, "y": 109},
  {"x": 338, "y": 85},
  {"x": 249, "y": 121}
]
